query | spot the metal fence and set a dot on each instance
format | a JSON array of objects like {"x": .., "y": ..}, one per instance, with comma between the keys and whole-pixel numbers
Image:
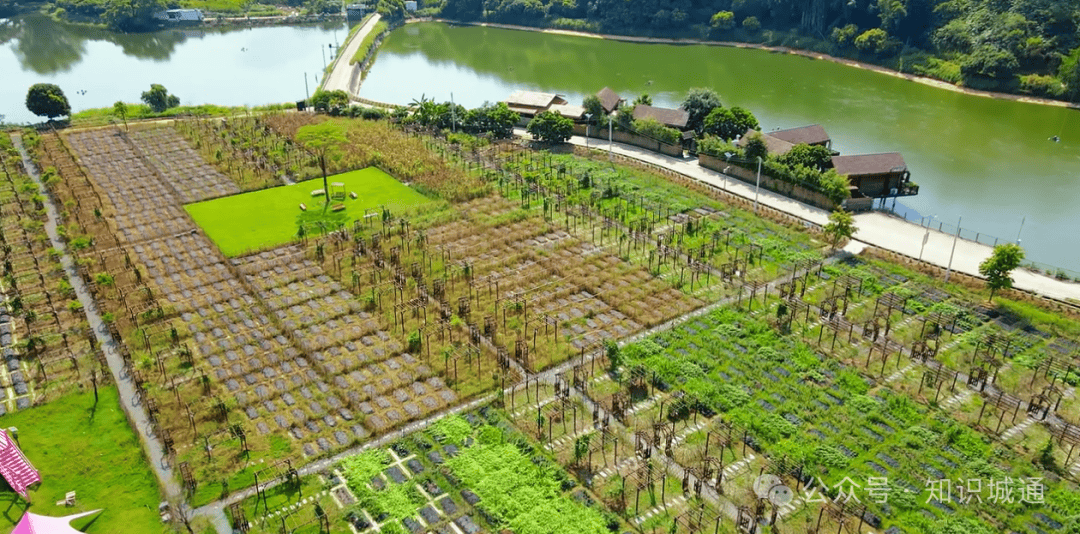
[{"x": 1059, "y": 273}]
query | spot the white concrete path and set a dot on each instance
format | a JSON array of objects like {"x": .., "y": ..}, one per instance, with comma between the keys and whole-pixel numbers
[{"x": 342, "y": 75}]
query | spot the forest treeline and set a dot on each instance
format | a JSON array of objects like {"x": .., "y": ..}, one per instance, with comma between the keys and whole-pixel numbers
[{"x": 1022, "y": 46}]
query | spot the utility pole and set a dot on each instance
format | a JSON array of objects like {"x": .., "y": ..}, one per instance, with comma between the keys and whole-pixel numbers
[
  {"x": 757, "y": 190},
  {"x": 956, "y": 238},
  {"x": 306, "y": 91}
]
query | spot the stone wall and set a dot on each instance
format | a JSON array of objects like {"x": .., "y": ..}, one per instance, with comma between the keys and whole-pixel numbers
[
  {"x": 749, "y": 176},
  {"x": 601, "y": 132}
]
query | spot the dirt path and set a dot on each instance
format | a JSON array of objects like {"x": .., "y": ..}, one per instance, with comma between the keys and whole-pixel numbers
[
  {"x": 129, "y": 397},
  {"x": 343, "y": 75},
  {"x": 780, "y": 49}
]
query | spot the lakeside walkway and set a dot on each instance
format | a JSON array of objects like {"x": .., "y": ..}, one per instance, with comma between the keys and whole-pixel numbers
[
  {"x": 874, "y": 228},
  {"x": 343, "y": 75}
]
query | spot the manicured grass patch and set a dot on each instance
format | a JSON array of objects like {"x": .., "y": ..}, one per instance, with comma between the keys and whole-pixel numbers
[
  {"x": 261, "y": 219},
  {"x": 368, "y": 41},
  {"x": 91, "y": 450}
]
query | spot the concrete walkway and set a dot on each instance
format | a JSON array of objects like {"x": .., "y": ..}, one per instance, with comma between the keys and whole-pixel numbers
[
  {"x": 129, "y": 397},
  {"x": 874, "y": 228},
  {"x": 342, "y": 75}
]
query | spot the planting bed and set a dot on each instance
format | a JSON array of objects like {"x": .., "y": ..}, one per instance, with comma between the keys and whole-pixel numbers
[
  {"x": 814, "y": 417},
  {"x": 45, "y": 347},
  {"x": 268, "y": 336}
]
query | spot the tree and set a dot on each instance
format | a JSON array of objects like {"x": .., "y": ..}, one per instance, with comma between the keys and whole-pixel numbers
[
  {"x": 998, "y": 267},
  {"x": 47, "y": 100},
  {"x": 322, "y": 140},
  {"x": 751, "y": 24},
  {"x": 841, "y": 226},
  {"x": 332, "y": 102},
  {"x": 843, "y": 36},
  {"x": 989, "y": 61},
  {"x": 816, "y": 156},
  {"x": 699, "y": 102},
  {"x": 652, "y": 128},
  {"x": 873, "y": 40},
  {"x": 132, "y": 15},
  {"x": 643, "y": 100},
  {"x": 728, "y": 124},
  {"x": 159, "y": 99},
  {"x": 1069, "y": 72},
  {"x": 593, "y": 107},
  {"x": 120, "y": 110},
  {"x": 723, "y": 20},
  {"x": 755, "y": 147},
  {"x": 551, "y": 127}
]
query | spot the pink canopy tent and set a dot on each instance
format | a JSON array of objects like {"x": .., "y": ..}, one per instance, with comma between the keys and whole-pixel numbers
[
  {"x": 40, "y": 524},
  {"x": 15, "y": 468}
]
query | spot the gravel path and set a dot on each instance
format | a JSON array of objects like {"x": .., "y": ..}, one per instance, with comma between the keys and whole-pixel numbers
[{"x": 129, "y": 396}]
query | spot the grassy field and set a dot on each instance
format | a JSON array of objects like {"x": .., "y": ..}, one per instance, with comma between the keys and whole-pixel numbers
[
  {"x": 89, "y": 449},
  {"x": 261, "y": 219}
]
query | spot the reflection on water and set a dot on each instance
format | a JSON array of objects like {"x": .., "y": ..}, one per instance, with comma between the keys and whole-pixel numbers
[{"x": 96, "y": 67}]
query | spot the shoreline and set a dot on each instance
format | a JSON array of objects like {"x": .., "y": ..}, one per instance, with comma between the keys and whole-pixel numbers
[{"x": 932, "y": 82}]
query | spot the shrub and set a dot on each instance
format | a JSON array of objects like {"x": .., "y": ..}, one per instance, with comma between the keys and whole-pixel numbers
[
  {"x": 1042, "y": 85},
  {"x": 652, "y": 128},
  {"x": 751, "y": 24}
]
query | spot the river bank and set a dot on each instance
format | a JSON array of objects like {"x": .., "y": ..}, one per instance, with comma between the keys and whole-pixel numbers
[{"x": 933, "y": 82}]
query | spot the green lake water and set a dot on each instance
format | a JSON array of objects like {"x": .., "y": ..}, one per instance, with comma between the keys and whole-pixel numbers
[{"x": 987, "y": 160}]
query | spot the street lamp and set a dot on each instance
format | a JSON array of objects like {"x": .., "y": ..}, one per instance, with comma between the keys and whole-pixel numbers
[
  {"x": 610, "y": 143},
  {"x": 588, "y": 122},
  {"x": 926, "y": 237},
  {"x": 727, "y": 158},
  {"x": 757, "y": 190},
  {"x": 948, "y": 270}
]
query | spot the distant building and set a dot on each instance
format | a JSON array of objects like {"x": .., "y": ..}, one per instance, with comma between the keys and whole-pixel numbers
[
  {"x": 813, "y": 134},
  {"x": 780, "y": 142},
  {"x": 180, "y": 15},
  {"x": 410, "y": 5},
  {"x": 609, "y": 100},
  {"x": 672, "y": 118},
  {"x": 528, "y": 104},
  {"x": 569, "y": 111},
  {"x": 877, "y": 175}
]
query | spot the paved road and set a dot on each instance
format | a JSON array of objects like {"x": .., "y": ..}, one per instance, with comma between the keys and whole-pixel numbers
[
  {"x": 129, "y": 397},
  {"x": 344, "y": 76},
  {"x": 874, "y": 228}
]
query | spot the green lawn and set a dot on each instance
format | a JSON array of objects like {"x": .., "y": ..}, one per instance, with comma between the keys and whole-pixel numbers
[
  {"x": 91, "y": 451},
  {"x": 261, "y": 219}
]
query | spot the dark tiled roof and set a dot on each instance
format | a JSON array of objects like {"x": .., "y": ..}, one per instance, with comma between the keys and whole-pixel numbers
[
  {"x": 869, "y": 164},
  {"x": 776, "y": 146},
  {"x": 674, "y": 118},
  {"x": 811, "y": 135},
  {"x": 609, "y": 99}
]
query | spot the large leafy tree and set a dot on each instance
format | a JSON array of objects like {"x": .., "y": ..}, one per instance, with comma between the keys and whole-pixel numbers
[
  {"x": 551, "y": 127},
  {"x": 47, "y": 100},
  {"x": 594, "y": 108},
  {"x": 322, "y": 140},
  {"x": 699, "y": 102},
  {"x": 999, "y": 266},
  {"x": 159, "y": 99},
  {"x": 729, "y": 123}
]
